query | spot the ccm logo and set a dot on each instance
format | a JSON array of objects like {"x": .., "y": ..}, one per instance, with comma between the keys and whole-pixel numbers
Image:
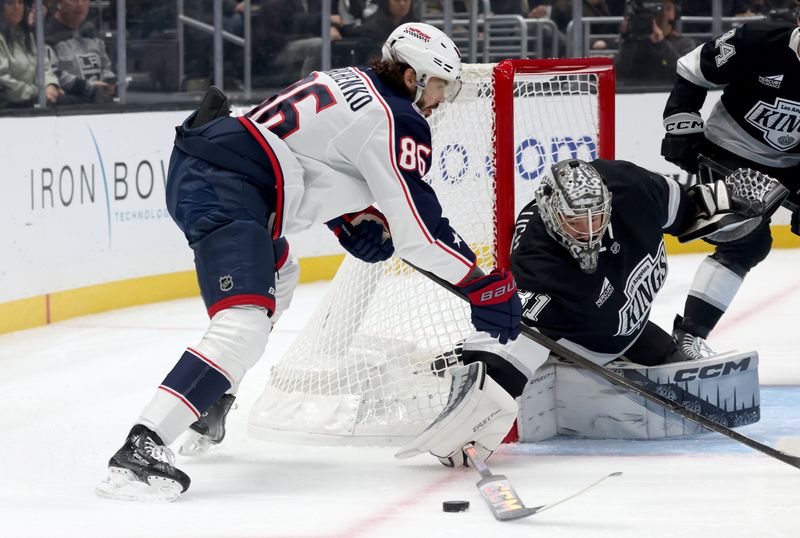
[
  {"x": 683, "y": 125},
  {"x": 712, "y": 370},
  {"x": 497, "y": 292}
]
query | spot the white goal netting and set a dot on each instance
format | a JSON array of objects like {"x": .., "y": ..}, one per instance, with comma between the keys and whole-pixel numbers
[{"x": 361, "y": 370}]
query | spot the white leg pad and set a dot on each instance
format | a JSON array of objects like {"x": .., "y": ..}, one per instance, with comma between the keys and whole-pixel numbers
[
  {"x": 715, "y": 284},
  {"x": 235, "y": 341},
  {"x": 478, "y": 411}
]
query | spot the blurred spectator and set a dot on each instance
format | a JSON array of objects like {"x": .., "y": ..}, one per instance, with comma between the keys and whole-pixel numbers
[
  {"x": 650, "y": 46},
  {"x": 784, "y": 11},
  {"x": 287, "y": 39},
  {"x": 371, "y": 34},
  {"x": 83, "y": 66},
  {"x": 352, "y": 11},
  {"x": 703, "y": 9},
  {"x": 540, "y": 9},
  {"x": 18, "y": 84},
  {"x": 749, "y": 8},
  {"x": 561, "y": 12}
]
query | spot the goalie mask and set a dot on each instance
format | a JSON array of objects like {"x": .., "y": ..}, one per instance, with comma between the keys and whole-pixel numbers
[
  {"x": 575, "y": 205},
  {"x": 429, "y": 52}
]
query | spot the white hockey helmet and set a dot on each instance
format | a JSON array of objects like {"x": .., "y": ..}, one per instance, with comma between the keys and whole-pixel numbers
[
  {"x": 429, "y": 52},
  {"x": 575, "y": 206}
]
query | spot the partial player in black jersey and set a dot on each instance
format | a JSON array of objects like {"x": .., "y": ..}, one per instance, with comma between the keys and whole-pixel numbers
[
  {"x": 589, "y": 258},
  {"x": 755, "y": 125}
]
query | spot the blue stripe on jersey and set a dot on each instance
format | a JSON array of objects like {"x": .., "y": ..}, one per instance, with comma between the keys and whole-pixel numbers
[
  {"x": 198, "y": 380},
  {"x": 411, "y": 136}
]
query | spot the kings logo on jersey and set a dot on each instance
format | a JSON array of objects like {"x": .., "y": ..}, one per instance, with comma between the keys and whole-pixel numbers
[
  {"x": 640, "y": 289},
  {"x": 780, "y": 122}
]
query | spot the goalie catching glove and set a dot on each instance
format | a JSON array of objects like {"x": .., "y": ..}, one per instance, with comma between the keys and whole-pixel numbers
[
  {"x": 496, "y": 307},
  {"x": 364, "y": 234},
  {"x": 729, "y": 210},
  {"x": 478, "y": 412}
]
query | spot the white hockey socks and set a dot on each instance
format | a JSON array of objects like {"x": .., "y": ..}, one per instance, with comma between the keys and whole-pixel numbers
[
  {"x": 234, "y": 342},
  {"x": 715, "y": 284}
]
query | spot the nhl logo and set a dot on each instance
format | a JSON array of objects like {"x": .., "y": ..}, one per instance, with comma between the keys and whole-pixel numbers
[
  {"x": 615, "y": 248},
  {"x": 226, "y": 283}
]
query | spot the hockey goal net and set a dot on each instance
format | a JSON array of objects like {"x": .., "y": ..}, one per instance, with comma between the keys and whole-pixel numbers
[{"x": 364, "y": 369}]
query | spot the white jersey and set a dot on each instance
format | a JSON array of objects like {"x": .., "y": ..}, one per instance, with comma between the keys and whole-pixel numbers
[{"x": 345, "y": 140}]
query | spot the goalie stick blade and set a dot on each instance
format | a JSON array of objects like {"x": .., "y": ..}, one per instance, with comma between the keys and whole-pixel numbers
[
  {"x": 502, "y": 499},
  {"x": 506, "y": 504},
  {"x": 581, "y": 492}
]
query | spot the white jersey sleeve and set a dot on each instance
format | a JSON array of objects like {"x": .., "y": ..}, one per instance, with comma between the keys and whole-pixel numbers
[{"x": 361, "y": 142}]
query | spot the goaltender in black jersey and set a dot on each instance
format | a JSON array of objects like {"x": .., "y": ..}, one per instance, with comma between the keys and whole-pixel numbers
[
  {"x": 756, "y": 125},
  {"x": 589, "y": 258}
]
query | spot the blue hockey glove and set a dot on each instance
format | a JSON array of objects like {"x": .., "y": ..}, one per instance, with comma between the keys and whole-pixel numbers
[
  {"x": 364, "y": 235},
  {"x": 496, "y": 307}
]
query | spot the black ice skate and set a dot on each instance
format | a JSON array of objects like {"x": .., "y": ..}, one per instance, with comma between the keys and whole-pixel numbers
[
  {"x": 691, "y": 346},
  {"x": 143, "y": 470},
  {"x": 209, "y": 429}
]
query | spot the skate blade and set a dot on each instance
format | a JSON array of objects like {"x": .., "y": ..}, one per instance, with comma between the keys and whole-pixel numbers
[
  {"x": 194, "y": 444},
  {"x": 122, "y": 484}
]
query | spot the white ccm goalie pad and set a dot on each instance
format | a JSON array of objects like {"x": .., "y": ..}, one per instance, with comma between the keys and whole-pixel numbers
[
  {"x": 478, "y": 411},
  {"x": 561, "y": 399}
]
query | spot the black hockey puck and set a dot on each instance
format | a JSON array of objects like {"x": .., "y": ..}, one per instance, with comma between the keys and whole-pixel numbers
[{"x": 455, "y": 506}]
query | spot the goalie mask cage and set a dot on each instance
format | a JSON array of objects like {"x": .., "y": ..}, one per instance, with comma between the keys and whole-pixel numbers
[{"x": 364, "y": 369}]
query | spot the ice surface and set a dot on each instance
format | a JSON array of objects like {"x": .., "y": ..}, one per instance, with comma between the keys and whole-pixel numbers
[{"x": 70, "y": 391}]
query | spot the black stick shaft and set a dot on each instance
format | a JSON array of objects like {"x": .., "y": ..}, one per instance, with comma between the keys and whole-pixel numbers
[{"x": 619, "y": 380}]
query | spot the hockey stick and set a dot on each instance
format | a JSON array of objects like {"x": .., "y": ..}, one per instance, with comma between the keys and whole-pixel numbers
[
  {"x": 619, "y": 380},
  {"x": 501, "y": 497},
  {"x": 712, "y": 166}
]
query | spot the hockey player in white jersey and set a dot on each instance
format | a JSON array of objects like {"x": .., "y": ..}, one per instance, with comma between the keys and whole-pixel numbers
[{"x": 324, "y": 150}]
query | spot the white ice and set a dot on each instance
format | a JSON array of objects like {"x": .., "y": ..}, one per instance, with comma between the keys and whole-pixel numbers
[{"x": 69, "y": 392}]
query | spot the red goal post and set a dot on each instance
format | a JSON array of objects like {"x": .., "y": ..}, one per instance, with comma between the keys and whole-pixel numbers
[
  {"x": 364, "y": 369},
  {"x": 504, "y": 76}
]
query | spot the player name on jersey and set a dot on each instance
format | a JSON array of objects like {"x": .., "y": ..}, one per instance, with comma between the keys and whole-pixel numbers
[{"x": 353, "y": 87}]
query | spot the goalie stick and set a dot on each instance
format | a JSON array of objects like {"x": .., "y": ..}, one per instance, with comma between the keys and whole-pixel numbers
[
  {"x": 501, "y": 497},
  {"x": 619, "y": 380}
]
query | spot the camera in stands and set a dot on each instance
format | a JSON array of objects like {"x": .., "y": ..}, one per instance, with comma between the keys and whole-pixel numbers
[{"x": 641, "y": 14}]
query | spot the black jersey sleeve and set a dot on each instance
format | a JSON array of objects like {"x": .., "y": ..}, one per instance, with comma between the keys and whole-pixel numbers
[
  {"x": 713, "y": 64},
  {"x": 636, "y": 190},
  {"x": 685, "y": 97},
  {"x": 721, "y": 60}
]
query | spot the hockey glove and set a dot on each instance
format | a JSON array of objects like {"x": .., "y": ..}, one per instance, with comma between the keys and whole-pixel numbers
[
  {"x": 496, "y": 307},
  {"x": 681, "y": 144},
  {"x": 365, "y": 235}
]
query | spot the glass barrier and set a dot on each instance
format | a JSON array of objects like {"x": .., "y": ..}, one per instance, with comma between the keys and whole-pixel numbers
[{"x": 103, "y": 54}]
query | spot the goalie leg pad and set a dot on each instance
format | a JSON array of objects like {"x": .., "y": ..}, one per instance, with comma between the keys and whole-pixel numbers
[
  {"x": 722, "y": 387},
  {"x": 478, "y": 411}
]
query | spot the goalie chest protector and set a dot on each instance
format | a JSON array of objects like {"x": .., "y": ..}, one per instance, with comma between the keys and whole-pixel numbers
[{"x": 606, "y": 310}]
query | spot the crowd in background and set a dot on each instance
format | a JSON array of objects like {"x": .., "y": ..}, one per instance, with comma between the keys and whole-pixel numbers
[{"x": 287, "y": 41}]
